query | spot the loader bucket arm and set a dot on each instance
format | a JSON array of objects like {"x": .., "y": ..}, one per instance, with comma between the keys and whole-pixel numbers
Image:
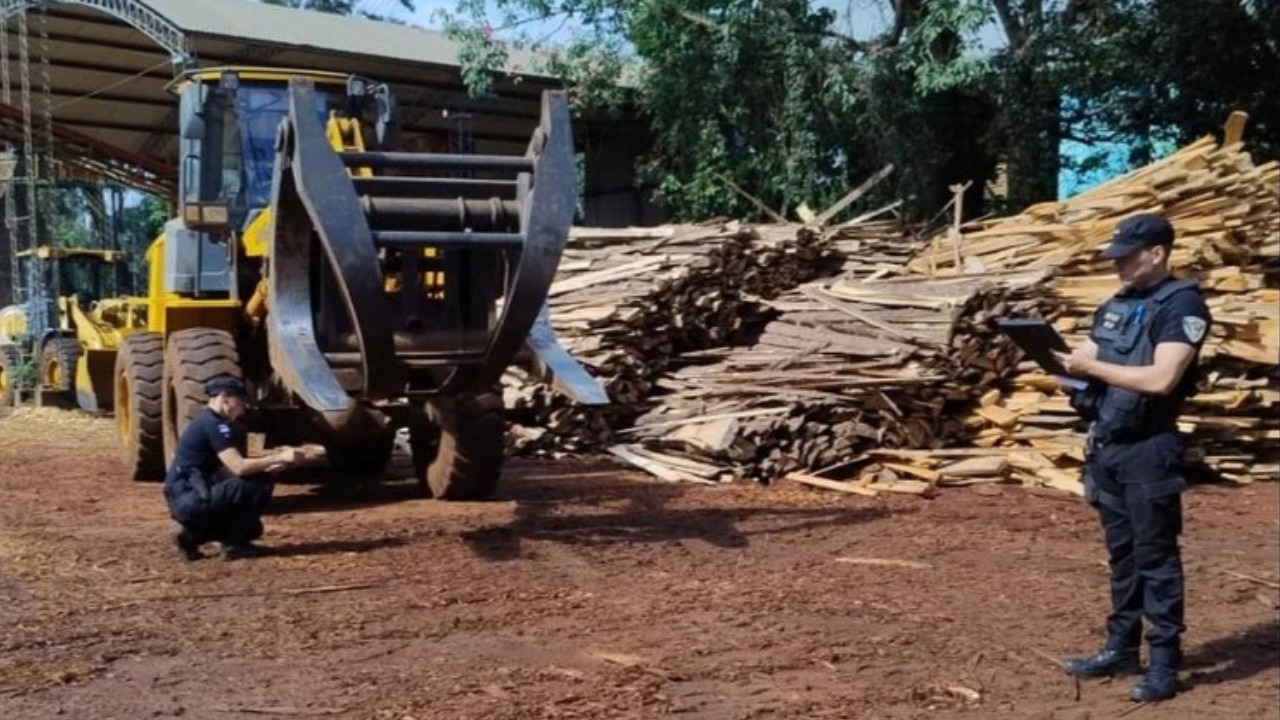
[
  {"x": 359, "y": 245},
  {"x": 312, "y": 192},
  {"x": 546, "y": 218}
]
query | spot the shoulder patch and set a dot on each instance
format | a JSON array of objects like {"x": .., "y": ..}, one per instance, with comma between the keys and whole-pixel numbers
[{"x": 1194, "y": 327}]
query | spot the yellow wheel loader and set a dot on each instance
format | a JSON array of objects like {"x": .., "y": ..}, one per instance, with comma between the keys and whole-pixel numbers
[
  {"x": 356, "y": 288},
  {"x": 71, "y": 351}
]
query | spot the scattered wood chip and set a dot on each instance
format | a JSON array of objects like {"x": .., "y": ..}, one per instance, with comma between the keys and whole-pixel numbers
[{"x": 884, "y": 562}]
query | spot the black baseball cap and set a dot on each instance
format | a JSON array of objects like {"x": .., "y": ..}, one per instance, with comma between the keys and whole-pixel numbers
[
  {"x": 1137, "y": 232},
  {"x": 226, "y": 386}
]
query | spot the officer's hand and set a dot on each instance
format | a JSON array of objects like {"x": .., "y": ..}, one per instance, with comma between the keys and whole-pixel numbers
[
  {"x": 277, "y": 468},
  {"x": 287, "y": 456},
  {"x": 1075, "y": 363},
  {"x": 312, "y": 452}
]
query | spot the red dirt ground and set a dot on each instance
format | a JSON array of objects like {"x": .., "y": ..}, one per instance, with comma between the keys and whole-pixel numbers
[{"x": 588, "y": 591}]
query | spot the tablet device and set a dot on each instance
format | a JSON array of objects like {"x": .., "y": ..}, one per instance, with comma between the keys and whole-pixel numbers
[{"x": 1038, "y": 339}]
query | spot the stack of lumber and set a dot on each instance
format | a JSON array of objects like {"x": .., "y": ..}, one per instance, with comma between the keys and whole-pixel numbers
[
  {"x": 1226, "y": 212},
  {"x": 628, "y": 301},
  {"x": 845, "y": 368}
]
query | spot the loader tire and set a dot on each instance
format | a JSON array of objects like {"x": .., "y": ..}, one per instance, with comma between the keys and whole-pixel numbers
[
  {"x": 191, "y": 359},
  {"x": 10, "y": 367},
  {"x": 138, "y": 373},
  {"x": 458, "y": 454},
  {"x": 58, "y": 361}
]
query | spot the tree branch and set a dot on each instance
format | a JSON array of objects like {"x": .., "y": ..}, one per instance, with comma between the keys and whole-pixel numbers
[
  {"x": 1072, "y": 11},
  {"x": 901, "y": 9},
  {"x": 1014, "y": 32}
]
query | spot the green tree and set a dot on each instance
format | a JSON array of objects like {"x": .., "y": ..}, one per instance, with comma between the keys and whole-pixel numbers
[
  {"x": 1178, "y": 69},
  {"x": 768, "y": 95},
  {"x": 372, "y": 9}
]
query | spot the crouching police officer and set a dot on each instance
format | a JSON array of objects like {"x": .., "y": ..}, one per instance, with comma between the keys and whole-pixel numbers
[
  {"x": 1141, "y": 363},
  {"x": 214, "y": 491}
]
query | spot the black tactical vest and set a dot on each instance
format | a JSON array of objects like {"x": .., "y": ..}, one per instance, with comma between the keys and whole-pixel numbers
[{"x": 1122, "y": 332}]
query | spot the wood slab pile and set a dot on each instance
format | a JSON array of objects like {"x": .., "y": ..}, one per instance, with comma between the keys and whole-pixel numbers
[
  {"x": 1226, "y": 214},
  {"x": 628, "y": 301},
  {"x": 846, "y": 368}
]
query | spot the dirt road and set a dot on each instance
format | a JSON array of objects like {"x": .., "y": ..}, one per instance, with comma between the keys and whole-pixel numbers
[{"x": 587, "y": 591}]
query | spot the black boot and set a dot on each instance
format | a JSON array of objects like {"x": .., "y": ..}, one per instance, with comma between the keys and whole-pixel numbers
[
  {"x": 188, "y": 545},
  {"x": 1160, "y": 683},
  {"x": 242, "y": 551},
  {"x": 1105, "y": 664}
]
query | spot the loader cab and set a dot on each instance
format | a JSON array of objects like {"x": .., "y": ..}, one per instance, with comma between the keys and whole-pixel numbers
[
  {"x": 89, "y": 274},
  {"x": 230, "y": 118}
]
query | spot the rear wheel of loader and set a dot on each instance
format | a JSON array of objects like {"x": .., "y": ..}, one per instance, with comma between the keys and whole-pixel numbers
[
  {"x": 458, "y": 453},
  {"x": 58, "y": 364},
  {"x": 191, "y": 359},
  {"x": 10, "y": 362},
  {"x": 137, "y": 376}
]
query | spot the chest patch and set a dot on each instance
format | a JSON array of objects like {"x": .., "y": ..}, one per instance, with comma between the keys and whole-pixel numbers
[
  {"x": 1111, "y": 320},
  {"x": 224, "y": 430}
]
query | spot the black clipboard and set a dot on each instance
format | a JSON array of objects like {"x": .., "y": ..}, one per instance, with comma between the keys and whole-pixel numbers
[{"x": 1038, "y": 339}]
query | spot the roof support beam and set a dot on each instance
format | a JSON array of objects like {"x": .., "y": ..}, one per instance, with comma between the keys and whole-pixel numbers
[
  {"x": 147, "y": 21},
  {"x": 55, "y": 62}
]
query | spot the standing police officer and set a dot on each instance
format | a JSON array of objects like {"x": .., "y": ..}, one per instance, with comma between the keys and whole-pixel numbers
[
  {"x": 1141, "y": 363},
  {"x": 207, "y": 502}
]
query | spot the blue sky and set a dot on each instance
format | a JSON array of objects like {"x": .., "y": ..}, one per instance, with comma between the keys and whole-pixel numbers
[
  {"x": 859, "y": 18},
  {"x": 865, "y": 17}
]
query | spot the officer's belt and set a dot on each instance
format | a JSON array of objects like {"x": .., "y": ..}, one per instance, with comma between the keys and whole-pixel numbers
[{"x": 1126, "y": 436}]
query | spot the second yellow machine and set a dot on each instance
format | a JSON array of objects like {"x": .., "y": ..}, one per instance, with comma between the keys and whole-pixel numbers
[{"x": 355, "y": 288}]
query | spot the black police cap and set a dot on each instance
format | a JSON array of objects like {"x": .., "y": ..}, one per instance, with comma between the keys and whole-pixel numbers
[
  {"x": 1137, "y": 232},
  {"x": 226, "y": 386}
]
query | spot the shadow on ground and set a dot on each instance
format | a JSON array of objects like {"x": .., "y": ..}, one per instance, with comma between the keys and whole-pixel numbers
[
  {"x": 609, "y": 510},
  {"x": 1238, "y": 656}
]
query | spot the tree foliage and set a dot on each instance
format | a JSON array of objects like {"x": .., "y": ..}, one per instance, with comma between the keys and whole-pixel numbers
[
  {"x": 372, "y": 9},
  {"x": 769, "y": 96}
]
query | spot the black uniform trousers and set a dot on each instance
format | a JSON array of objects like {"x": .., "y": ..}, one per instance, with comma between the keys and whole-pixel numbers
[
  {"x": 1137, "y": 489},
  {"x": 230, "y": 512}
]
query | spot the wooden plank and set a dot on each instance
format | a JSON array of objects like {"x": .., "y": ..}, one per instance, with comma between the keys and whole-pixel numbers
[
  {"x": 909, "y": 487},
  {"x": 853, "y": 195},
  {"x": 844, "y": 487},
  {"x": 988, "y": 466},
  {"x": 652, "y": 467},
  {"x": 587, "y": 280},
  {"x": 998, "y": 416},
  {"x": 921, "y": 472}
]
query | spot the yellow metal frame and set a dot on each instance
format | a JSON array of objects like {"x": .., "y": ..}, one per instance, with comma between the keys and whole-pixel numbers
[
  {"x": 45, "y": 252},
  {"x": 253, "y": 73},
  {"x": 170, "y": 312}
]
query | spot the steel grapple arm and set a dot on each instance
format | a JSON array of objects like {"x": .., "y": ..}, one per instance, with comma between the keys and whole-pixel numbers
[{"x": 391, "y": 276}]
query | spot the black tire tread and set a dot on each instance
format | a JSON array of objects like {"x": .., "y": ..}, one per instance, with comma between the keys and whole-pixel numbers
[
  {"x": 469, "y": 452},
  {"x": 193, "y": 357},
  {"x": 141, "y": 357},
  {"x": 67, "y": 352},
  {"x": 10, "y": 359}
]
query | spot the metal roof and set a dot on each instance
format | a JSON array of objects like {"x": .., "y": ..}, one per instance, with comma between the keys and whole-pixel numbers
[
  {"x": 108, "y": 62},
  {"x": 257, "y": 22}
]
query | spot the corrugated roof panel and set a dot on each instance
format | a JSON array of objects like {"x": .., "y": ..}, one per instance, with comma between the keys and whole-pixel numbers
[{"x": 256, "y": 22}]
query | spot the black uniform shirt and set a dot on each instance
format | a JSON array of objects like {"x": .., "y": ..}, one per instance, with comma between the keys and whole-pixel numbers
[
  {"x": 1183, "y": 318},
  {"x": 206, "y": 436}
]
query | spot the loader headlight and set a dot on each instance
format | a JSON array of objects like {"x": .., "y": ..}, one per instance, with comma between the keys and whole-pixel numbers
[
  {"x": 205, "y": 216},
  {"x": 213, "y": 214}
]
